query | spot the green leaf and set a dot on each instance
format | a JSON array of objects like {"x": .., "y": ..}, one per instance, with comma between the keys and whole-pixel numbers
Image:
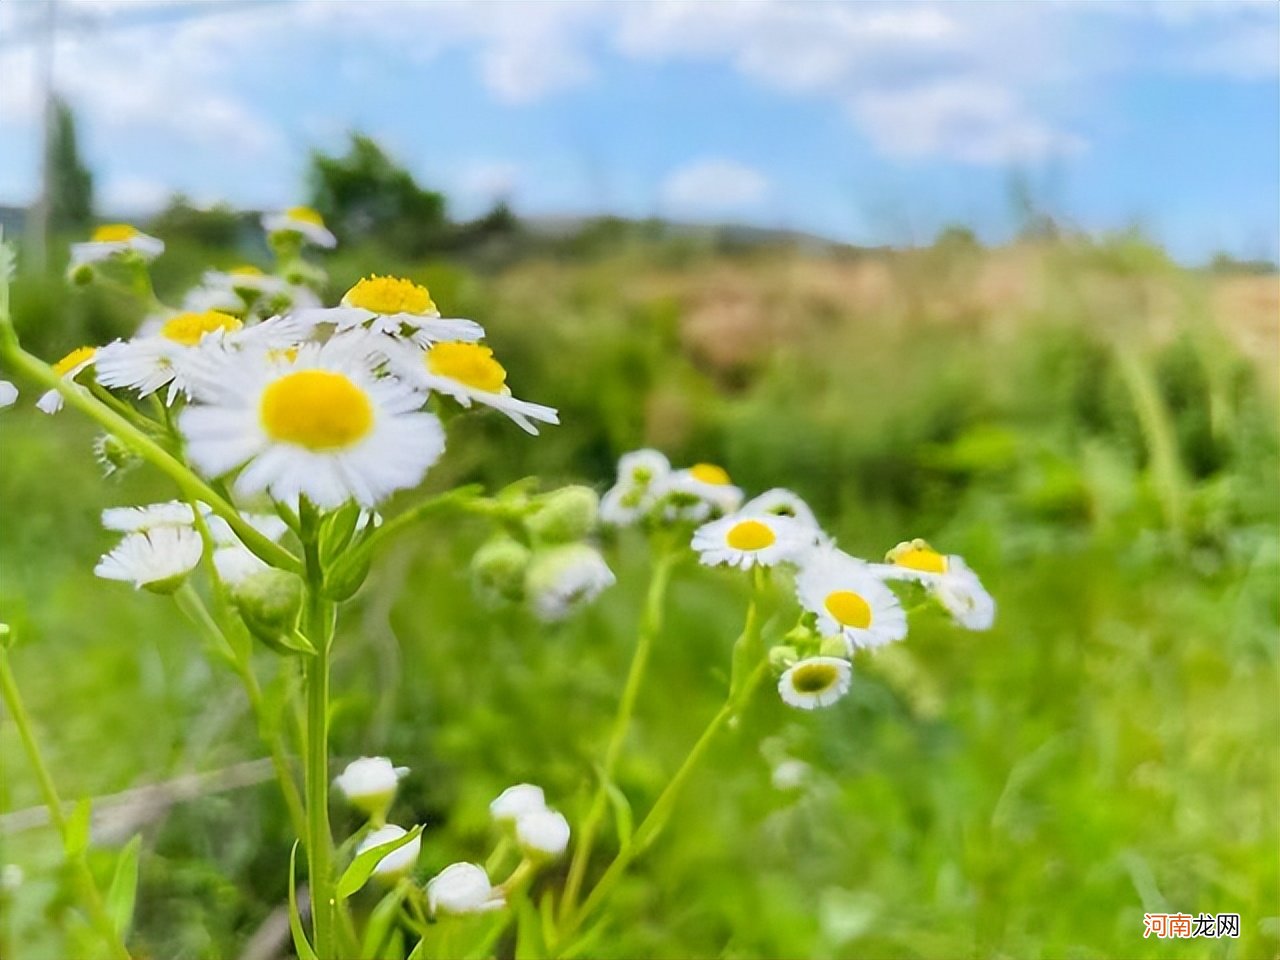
[
  {"x": 622, "y": 818},
  {"x": 529, "y": 944},
  {"x": 382, "y": 920},
  {"x": 300, "y": 942},
  {"x": 547, "y": 908},
  {"x": 361, "y": 868},
  {"x": 420, "y": 951},
  {"x": 123, "y": 892},
  {"x": 76, "y": 838},
  {"x": 336, "y": 531}
]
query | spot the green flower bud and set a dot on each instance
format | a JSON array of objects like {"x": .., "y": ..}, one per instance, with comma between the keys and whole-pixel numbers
[
  {"x": 82, "y": 275},
  {"x": 113, "y": 455},
  {"x": 499, "y": 568},
  {"x": 269, "y": 603},
  {"x": 565, "y": 515},
  {"x": 782, "y": 657},
  {"x": 833, "y": 647}
]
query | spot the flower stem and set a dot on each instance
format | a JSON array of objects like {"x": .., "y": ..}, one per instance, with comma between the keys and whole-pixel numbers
[
  {"x": 84, "y": 876},
  {"x": 650, "y": 627}
]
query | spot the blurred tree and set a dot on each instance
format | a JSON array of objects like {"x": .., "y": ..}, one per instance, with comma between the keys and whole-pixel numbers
[
  {"x": 365, "y": 194},
  {"x": 70, "y": 182},
  {"x": 217, "y": 226}
]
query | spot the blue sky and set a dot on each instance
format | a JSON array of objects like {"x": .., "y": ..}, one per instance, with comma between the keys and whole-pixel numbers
[{"x": 868, "y": 122}]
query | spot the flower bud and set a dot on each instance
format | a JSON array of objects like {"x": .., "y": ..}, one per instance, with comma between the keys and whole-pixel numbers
[
  {"x": 399, "y": 861},
  {"x": 514, "y": 802},
  {"x": 499, "y": 568},
  {"x": 565, "y": 515},
  {"x": 563, "y": 578},
  {"x": 269, "y": 600},
  {"x": 369, "y": 784},
  {"x": 782, "y": 657},
  {"x": 82, "y": 275},
  {"x": 542, "y": 834},
  {"x": 462, "y": 888},
  {"x": 833, "y": 647}
]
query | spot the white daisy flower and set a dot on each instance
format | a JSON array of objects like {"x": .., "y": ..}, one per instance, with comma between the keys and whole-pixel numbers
[
  {"x": 780, "y": 502},
  {"x": 69, "y": 367},
  {"x": 202, "y": 298},
  {"x": 245, "y": 281},
  {"x": 113, "y": 240},
  {"x": 746, "y": 542},
  {"x": 815, "y": 682},
  {"x": 303, "y": 221},
  {"x": 369, "y": 783},
  {"x": 165, "y": 350},
  {"x": 462, "y": 888},
  {"x": 158, "y": 559},
  {"x": 395, "y": 306},
  {"x": 698, "y": 493},
  {"x": 173, "y": 513},
  {"x": 466, "y": 372},
  {"x": 640, "y": 475},
  {"x": 514, "y": 802},
  {"x": 8, "y": 394},
  {"x": 947, "y": 578},
  {"x": 400, "y": 861},
  {"x": 563, "y": 578},
  {"x": 317, "y": 424},
  {"x": 542, "y": 834},
  {"x": 849, "y": 600}
]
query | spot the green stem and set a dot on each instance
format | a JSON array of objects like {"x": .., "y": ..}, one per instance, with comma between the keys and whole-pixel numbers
[
  {"x": 650, "y": 627},
  {"x": 191, "y": 485},
  {"x": 89, "y": 888}
]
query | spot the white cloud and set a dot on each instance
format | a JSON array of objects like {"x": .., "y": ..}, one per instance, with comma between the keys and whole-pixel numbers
[{"x": 712, "y": 187}]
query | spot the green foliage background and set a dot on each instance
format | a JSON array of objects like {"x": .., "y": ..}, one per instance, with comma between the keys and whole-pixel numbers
[{"x": 1107, "y": 460}]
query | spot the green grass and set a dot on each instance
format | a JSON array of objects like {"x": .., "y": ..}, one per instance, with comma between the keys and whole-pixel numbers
[{"x": 1106, "y": 750}]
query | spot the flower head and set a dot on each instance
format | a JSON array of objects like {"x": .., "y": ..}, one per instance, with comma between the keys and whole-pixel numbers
[
  {"x": 462, "y": 888},
  {"x": 369, "y": 783},
  {"x": 69, "y": 367},
  {"x": 172, "y": 513},
  {"x": 514, "y": 802},
  {"x": 158, "y": 559},
  {"x": 746, "y": 542},
  {"x": 815, "y": 682},
  {"x": 542, "y": 834},
  {"x": 115, "y": 240},
  {"x": 848, "y": 599},
  {"x": 698, "y": 493},
  {"x": 561, "y": 579},
  {"x": 640, "y": 476},
  {"x": 947, "y": 578},
  {"x": 780, "y": 502},
  {"x": 397, "y": 307},
  {"x": 400, "y": 861},
  {"x": 303, "y": 221}
]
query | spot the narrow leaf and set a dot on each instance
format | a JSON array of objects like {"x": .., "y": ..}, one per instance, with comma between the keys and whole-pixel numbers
[
  {"x": 529, "y": 945},
  {"x": 300, "y": 942},
  {"x": 76, "y": 839},
  {"x": 381, "y": 921},
  {"x": 123, "y": 892},
  {"x": 623, "y": 820},
  {"x": 357, "y": 874}
]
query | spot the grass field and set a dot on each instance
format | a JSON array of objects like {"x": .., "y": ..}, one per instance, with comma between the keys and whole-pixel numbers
[{"x": 1091, "y": 426}]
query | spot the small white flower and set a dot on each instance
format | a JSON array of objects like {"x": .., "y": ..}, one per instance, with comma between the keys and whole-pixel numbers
[
  {"x": 158, "y": 559},
  {"x": 947, "y": 578},
  {"x": 698, "y": 493},
  {"x": 318, "y": 423},
  {"x": 563, "y": 578},
  {"x": 849, "y": 600},
  {"x": 746, "y": 542},
  {"x": 173, "y": 513},
  {"x": 513, "y": 802},
  {"x": 468, "y": 373},
  {"x": 462, "y": 888},
  {"x": 246, "y": 282},
  {"x": 369, "y": 783},
  {"x": 780, "y": 502},
  {"x": 202, "y": 298},
  {"x": 8, "y": 394},
  {"x": 640, "y": 476},
  {"x": 396, "y": 307},
  {"x": 303, "y": 221},
  {"x": 68, "y": 368},
  {"x": 113, "y": 240},
  {"x": 542, "y": 834},
  {"x": 399, "y": 861},
  {"x": 815, "y": 682}
]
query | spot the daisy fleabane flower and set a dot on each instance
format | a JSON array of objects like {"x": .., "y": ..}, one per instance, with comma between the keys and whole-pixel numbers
[
  {"x": 780, "y": 502},
  {"x": 514, "y": 802},
  {"x": 745, "y": 542},
  {"x": 172, "y": 513},
  {"x": 947, "y": 578},
  {"x": 115, "y": 240},
  {"x": 315, "y": 422},
  {"x": 467, "y": 372},
  {"x": 815, "y": 682},
  {"x": 8, "y": 394},
  {"x": 305, "y": 222},
  {"x": 396, "y": 307},
  {"x": 163, "y": 352},
  {"x": 698, "y": 493},
  {"x": 157, "y": 559},
  {"x": 369, "y": 783},
  {"x": 462, "y": 888},
  {"x": 849, "y": 600},
  {"x": 640, "y": 476},
  {"x": 69, "y": 367}
]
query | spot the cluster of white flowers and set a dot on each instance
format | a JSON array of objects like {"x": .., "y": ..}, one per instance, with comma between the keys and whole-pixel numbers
[
  {"x": 846, "y": 602},
  {"x": 541, "y": 833}
]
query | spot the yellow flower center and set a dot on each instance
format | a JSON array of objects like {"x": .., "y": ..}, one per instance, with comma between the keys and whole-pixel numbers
[
  {"x": 73, "y": 359},
  {"x": 750, "y": 535},
  {"x": 709, "y": 473},
  {"x": 189, "y": 329},
  {"x": 247, "y": 270},
  {"x": 814, "y": 677},
  {"x": 389, "y": 295},
  {"x": 316, "y": 409},
  {"x": 468, "y": 363},
  {"x": 306, "y": 215},
  {"x": 848, "y": 609},
  {"x": 113, "y": 233},
  {"x": 917, "y": 555}
]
